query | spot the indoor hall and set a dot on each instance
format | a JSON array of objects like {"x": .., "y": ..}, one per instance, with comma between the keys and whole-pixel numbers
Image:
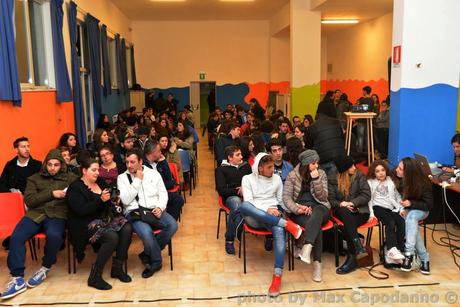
[{"x": 70, "y": 64}]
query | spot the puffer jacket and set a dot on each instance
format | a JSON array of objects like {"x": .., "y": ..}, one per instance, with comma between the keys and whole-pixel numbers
[
  {"x": 359, "y": 194},
  {"x": 293, "y": 186},
  {"x": 39, "y": 191}
]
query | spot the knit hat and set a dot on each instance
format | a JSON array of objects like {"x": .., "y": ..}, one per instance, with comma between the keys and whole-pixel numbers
[
  {"x": 308, "y": 156},
  {"x": 344, "y": 163}
]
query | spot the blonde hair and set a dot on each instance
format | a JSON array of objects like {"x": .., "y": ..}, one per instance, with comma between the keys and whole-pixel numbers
[{"x": 344, "y": 181}]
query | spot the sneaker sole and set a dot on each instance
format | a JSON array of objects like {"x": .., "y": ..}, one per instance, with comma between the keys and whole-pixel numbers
[
  {"x": 425, "y": 272},
  {"x": 14, "y": 294},
  {"x": 307, "y": 261},
  {"x": 406, "y": 270},
  {"x": 273, "y": 294},
  {"x": 32, "y": 286}
]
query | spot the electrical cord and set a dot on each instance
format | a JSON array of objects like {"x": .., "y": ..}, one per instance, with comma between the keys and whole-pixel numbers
[
  {"x": 452, "y": 247},
  {"x": 217, "y": 298}
]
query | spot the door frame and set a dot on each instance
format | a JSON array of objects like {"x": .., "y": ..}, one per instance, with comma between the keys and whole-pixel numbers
[{"x": 195, "y": 99}]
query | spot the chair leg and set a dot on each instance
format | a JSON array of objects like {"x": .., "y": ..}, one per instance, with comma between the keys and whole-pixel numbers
[
  {"x": 218, "y": 223},
  {"x": 34, "y": 248},
  {"x": 31, "y": 250},
  {"x": 244, "y": 251},
  {"x": 369, "y": 236},
  {"x": 290, "y": 266},
  {"x": 74, "y": 260},
  {"x": 69, "y": 261},
  {"x": 424, "y": 234},
  {"x": 291, "y": 251},
  {"x": 239, "y": 248},
  {"x": 170, "y": 254},
  {"x": 336, "y": 245}
]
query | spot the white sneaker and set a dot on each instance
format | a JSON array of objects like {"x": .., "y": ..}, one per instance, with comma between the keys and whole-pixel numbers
[
  {"x": 316, "y": 274},
  {"x": 305, "y": 253},
  {"x": 395, "y": 254},
  {"x": 297, "y": 252}
]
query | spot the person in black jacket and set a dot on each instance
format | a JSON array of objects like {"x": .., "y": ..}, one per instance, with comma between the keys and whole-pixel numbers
[
  {"x": 95, "y": 218},
  {"x": 349, "y": 195},
  {"x": 16, "y": 171},
  {"x": 257, "y": 110},
  {"x": 154, "y": 159},
  {"x": 417, "y": 200},
  {"x": 327, "y": 106},
  {"x": 228, "y": 185},
  {"x": 325, "y": 136},
  {"x": 227, "y": 139}
]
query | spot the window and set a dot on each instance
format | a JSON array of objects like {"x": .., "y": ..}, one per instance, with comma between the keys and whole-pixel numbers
[
  {"x": 113, "y": 62},
  {"x": 34, "y": 48},
  {"x": 128, "y": 67}
]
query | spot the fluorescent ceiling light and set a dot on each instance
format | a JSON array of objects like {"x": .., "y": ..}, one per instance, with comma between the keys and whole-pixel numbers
[
  {"x": 168, "y": 0},
  {"x": 339, "y": 21},
  {"x": 236, "y": 0}
]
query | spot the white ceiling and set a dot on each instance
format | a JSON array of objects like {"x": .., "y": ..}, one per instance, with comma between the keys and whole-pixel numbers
[
  {"x": 199, "y": 9},
  {"x": 364, "y": 10}
]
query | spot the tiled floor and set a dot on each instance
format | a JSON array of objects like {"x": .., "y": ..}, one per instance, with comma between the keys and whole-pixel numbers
[{"x": 202, "y": 270}]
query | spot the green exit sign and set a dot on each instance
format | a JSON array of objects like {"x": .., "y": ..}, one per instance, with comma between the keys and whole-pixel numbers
[{"x": 202, "y": 75}]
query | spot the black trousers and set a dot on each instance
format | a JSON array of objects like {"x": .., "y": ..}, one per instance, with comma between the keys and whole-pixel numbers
[
  {"x": 114, "y": 241},
  {"x": 395, "y": 227},
  {"x": 351, "y": 222},
  {"x": 312, "y": 224}
]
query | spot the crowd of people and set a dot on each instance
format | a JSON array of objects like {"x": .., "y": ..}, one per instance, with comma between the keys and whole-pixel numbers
[
  {"x": 294, "y": 176},
  {"x": 119, "y": 183},
  {"x": 272, "y": 173}
]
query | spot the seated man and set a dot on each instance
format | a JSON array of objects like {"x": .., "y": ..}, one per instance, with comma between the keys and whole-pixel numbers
[
  {"x": 262, "y": 194},
  {"x": 154, "y": 159},
  {"x": 65, "y": 153},
  {"x": 142, "y": 186},
  {"x": 45, "y": 198},
  {"x": 228, "y": 185},
  {"x": 282, "y": 167},
  {"x": 223, "y": 141},
  {"x": 16, "y": 171},
  {"x": 456, "y": 148},
  {"x": 126, "y": 143}
]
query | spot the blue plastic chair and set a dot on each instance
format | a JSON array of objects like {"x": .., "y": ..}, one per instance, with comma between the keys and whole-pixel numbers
[{"x": 186, "y": 168}]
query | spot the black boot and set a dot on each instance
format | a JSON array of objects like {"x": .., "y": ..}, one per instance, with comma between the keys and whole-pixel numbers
[
  {"x": 349, "y": 265},
  {"x": 407, "y": 264},
  {"x": 95, "y": 279},
  {"x": 118, "y": 271},
  {"x": 360, "y": 251}
]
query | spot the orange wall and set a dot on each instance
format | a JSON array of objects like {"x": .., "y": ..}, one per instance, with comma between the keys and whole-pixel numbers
[
  {"x": 40, "y": 118},
  {"x": 353, "y": 88}
]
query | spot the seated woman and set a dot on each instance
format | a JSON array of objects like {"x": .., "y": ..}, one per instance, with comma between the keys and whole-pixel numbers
[
  {"x": 184, "y": 140},
  {"x": 349, "y": 195},
  {"x": 109, "y": 169},
  {"x": 247, "y": 149},
  {"x": 305, "y": 196},
  {"x": 69, "y": 140},
  {"x": 96, "y": 218},
  {"x": 100, "y": 138},
  {"x": 169, "y": 150},
  {"x": 417, "y": 200}
]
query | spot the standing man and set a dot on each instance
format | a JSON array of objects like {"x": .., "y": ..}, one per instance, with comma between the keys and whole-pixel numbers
[{"x": 367, "y": 101}]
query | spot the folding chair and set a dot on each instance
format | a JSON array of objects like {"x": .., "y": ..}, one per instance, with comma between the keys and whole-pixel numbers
[{"x": 222, "y": 209}]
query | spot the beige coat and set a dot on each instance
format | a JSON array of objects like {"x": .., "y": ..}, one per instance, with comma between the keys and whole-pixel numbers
[{"x": 293, "y": 186}]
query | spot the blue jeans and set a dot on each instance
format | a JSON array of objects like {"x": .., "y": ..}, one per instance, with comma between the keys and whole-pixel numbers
[
  {"x": 260, "y": 219},
  {"x": 154, "y": 244},
  {"x": 25, "y": 230},
  {"x": 413, "y": 238},
  {"x": 234, "y": 217}
]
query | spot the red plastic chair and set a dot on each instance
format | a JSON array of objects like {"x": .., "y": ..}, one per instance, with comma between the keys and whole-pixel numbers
[
  {"x": 11, "y": 212},
  {"x": 368, "y": 225},
  {"x": 222, "y": 209},
  {"x": 327, "y": 226},
  {"x": 262, "y": 232}
]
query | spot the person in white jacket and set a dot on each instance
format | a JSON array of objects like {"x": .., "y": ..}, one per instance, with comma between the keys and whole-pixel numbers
[
  {"x": 142, "y": 186},
  {"x": 385, "y": 205},
  {"x": 262, "y": 194}
]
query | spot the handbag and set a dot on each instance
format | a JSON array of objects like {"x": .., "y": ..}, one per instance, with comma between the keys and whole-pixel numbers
[{"x": 144, "y": 214}]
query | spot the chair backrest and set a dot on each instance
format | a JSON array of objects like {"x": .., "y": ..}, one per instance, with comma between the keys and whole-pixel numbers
[
  {"x": 11, "y": 211},
  {"x": 185, "y": 158},
  {"x": 174, "y": 171}
]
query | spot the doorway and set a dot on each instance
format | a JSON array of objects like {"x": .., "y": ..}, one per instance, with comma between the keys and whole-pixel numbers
[{"x": 202, "y": 100}]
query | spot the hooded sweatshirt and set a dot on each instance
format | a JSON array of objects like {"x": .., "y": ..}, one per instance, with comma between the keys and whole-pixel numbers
[
  {"x": 39, "y": 191},
  {"x": 261, "y": 191}
]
